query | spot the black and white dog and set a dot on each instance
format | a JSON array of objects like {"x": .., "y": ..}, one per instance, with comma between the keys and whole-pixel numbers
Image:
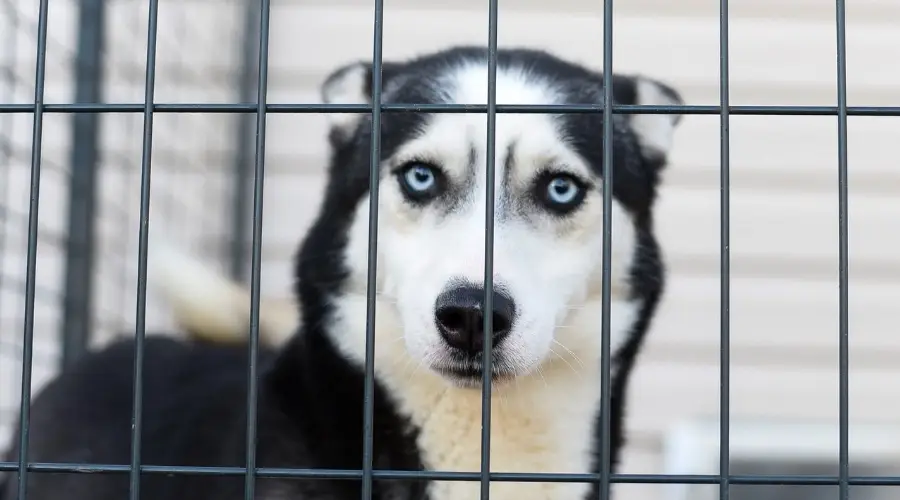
[{"x": 546, "y": 306}]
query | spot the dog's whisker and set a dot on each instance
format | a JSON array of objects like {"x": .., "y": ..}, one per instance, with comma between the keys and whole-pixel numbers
[
  {"x": 540, "y": 372},
  {"x": 571, "y": 353},
  {"x": 502, "y": 407},
  {"x": 415, "y": 369},
  {"x": 564, "y": 360}
]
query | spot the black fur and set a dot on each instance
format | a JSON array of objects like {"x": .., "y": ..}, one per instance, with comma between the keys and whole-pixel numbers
[{"x": 310, "y": 406}]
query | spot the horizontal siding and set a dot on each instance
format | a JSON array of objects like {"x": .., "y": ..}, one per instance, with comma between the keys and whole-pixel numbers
[
  {"x": 785, "y": 316},
  {"x": 805, "y": 57},
  {"x": 769, "y": 391},
  {"x": 802, "y": 10}
]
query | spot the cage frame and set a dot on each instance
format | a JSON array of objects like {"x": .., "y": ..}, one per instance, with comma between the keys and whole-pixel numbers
[{"x": 258, "y": 14}]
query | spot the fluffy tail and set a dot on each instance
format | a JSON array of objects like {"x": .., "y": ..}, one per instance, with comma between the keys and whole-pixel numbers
[{"x": 210, "y": 307}]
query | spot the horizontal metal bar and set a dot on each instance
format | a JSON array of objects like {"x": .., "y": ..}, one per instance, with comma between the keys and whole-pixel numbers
[
  {"x": 453, "y": 108},
  {"x": 520, "y": 477}
]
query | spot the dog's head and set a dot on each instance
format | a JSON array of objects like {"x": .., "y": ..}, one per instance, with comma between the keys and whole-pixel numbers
[{"x": 548, "y": 215}]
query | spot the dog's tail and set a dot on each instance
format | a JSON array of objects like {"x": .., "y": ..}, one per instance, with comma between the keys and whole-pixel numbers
[{"x": 212, "y": 308}]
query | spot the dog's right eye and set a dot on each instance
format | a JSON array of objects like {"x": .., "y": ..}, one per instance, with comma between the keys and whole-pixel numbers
[{"x": 419, "y": 181}]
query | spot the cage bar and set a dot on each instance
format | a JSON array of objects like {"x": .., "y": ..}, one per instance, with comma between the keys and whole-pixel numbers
[
  {"x": 75, "y": 327},
  {"x": 258, "y": 187},
  {"x": 141, "y": 313},
  {"x": 725, "y": 259},
  {"x": 31, "y": 263},
  {"x": 606, "y": 254},
  {"x": 522, "y": 477},
  {"x": 490, "y": 188},
  {"x": 372, "y": 255},
  {"x": 843, "y": 256},
  {"x": 292, "y": 108},
  {"x": 87, "y": 109}
]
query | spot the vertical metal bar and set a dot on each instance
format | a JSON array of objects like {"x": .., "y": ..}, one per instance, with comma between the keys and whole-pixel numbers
[
  {"x": 78, "y": 293},
  {"x": 490, "y": 168},
  {"x": 242, "y": 171},
  {"x": 371, "y": 291},
  {"x": 140, "y": 321},
  {"x": 31, "y": 264},
  {"x": 725, "y": 260},
  {"x": 606, "y": 257},
  {"x": 258, "y": 186},
  {"x": 843, "y": 254}
]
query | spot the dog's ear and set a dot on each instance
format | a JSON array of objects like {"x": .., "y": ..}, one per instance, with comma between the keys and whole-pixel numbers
[
  {"x": 654, "y": 131},
  {"x": 351, "y": 84}
]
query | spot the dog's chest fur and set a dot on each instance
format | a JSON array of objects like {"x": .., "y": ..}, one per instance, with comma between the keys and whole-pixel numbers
[
  {"x": 543, "y": 422},
  {"x": 540, "y": 423}
]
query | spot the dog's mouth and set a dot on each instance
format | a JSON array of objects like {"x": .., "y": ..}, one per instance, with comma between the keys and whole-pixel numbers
[{"x": 465, "y": 370}]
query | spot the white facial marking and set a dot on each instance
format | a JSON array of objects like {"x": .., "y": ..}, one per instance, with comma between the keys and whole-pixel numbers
[
  {"x": 543, "y": 419},
  {"x": 655, "y": 131}
]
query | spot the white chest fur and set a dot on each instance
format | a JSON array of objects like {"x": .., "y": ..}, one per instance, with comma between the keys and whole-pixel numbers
[{"x": 541, "y": 423}]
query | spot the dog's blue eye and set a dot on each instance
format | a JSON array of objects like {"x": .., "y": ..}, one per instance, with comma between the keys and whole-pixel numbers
[
  {"x": 419, "y": 181},
  {"x": 560, "y": 193},
  {"x": 563, "y": 190},
  {"x": 419, "y": 178}
]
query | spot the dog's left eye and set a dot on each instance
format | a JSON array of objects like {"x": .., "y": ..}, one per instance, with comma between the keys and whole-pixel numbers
[
  {"x": 419, "y": 181},
  {"x": 561, "y": 192}
]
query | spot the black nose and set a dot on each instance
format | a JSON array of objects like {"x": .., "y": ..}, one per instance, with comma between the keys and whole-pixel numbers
[{"x": 460, "y": 317}]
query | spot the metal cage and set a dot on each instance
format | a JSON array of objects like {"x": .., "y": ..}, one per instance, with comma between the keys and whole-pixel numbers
[
  {"x": 249, "y": 102},
  {"x": 83, "y": 252}
]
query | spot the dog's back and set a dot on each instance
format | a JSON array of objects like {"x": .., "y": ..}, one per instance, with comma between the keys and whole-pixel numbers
[
  {"x": 190, "y": 393},
  {"x": 189, "y": 418}
]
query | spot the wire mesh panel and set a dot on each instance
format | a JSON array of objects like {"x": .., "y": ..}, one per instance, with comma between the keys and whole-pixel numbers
[
  {"x": 191, "y": 147},
  {"x": 87, "y": 258},
  {"x": 192, "y": 154},
  {"x": 20, "y": 31}
]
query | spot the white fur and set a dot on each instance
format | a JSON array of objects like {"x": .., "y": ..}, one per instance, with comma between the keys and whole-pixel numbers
[
  {"x": 543, "y": 419},
  {"x": 207, "y": 304},
  {"x": 345, "y": 88},
  {"x": 654, "y": 131}
]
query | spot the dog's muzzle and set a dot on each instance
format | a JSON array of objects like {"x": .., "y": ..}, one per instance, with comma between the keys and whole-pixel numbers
[{"x": 459, "y": 315}]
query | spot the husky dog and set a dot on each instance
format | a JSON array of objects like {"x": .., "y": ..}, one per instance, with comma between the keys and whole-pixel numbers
[{"x": 428, "y": 329}]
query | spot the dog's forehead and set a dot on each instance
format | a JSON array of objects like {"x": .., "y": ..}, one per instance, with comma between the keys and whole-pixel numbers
[
  {"x": 468, "y": 84},
  {"x": 456, "y": 138}
]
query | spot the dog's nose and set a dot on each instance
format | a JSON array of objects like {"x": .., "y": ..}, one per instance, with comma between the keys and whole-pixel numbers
[{"x": 460, "y": 318}]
